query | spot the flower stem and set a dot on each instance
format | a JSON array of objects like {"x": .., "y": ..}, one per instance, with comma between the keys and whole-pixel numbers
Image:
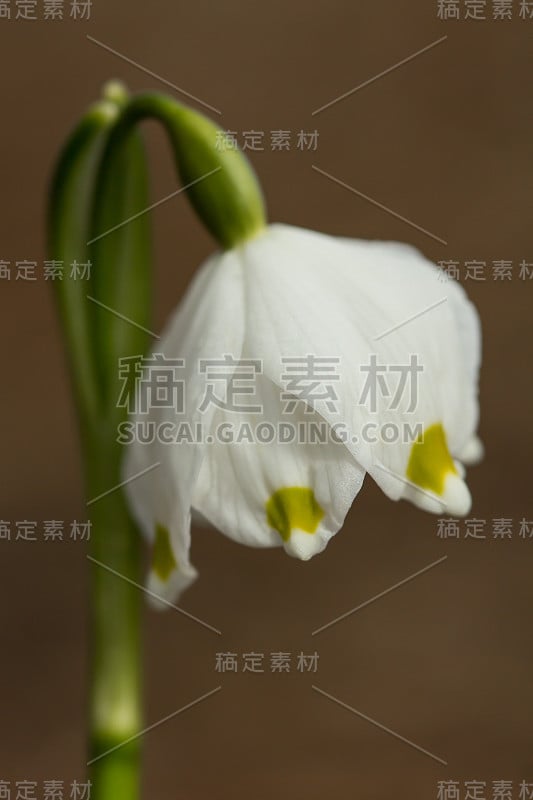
[
  {"x": 97, "y": 214},
  {"x": 124, "y": 256},
  {"x": 115, "y": 607}
]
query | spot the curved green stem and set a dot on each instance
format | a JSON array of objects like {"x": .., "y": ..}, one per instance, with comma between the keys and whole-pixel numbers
[
  {"x": 69, "y": 209},
  {"x": 115, "y": 548},
  {"x": 219, "y": 180}
]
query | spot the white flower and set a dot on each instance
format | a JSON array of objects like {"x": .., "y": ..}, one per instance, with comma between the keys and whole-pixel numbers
[{"x": 289, "y": 293}]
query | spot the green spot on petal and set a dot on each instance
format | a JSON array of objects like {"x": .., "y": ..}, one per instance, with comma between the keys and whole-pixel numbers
[
  {"x": 163, "y": 561},
  {"x": 293, "y": 507},
  {"x": 430, "y": 460}
]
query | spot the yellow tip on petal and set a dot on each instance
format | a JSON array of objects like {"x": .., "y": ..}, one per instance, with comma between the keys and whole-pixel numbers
[
  {"x": 294, "y": 513},
  {"x": 163, "y": 560},
  {"x": 430, "y": 460},
  {"x": 432, "y": 468}
]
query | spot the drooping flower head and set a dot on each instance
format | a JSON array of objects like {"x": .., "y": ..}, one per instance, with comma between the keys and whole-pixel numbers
[
  {"x": 300, "y": 363},
  {"x": 306, "y": 362}
]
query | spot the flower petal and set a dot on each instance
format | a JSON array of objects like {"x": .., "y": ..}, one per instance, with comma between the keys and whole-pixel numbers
[
  {"x": 311, "y": 294},
  {"x": 160, "y": 496},
  {"x": 273, "y": 493}
]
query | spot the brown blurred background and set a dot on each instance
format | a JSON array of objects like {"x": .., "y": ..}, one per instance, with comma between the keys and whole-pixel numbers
[{"x": 445, "y": 660}]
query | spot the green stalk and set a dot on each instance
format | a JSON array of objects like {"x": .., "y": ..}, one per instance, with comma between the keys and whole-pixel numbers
[
  {"x": 115, "y": 713},
  {"x": 115, "y": 604},
  {"x": 122, "y": 281}
]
